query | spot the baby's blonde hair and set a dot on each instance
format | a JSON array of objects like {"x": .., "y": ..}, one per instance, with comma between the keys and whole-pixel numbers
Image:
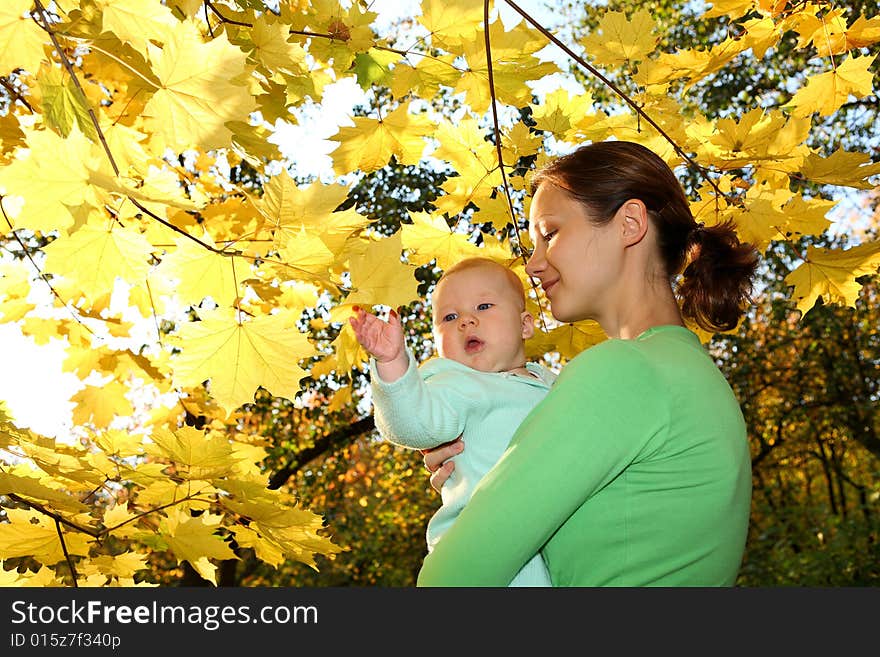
[{"x": 479, "y": 261}]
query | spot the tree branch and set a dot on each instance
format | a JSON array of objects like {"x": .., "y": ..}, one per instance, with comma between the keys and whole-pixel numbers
[{"x": 321, "y": 445}]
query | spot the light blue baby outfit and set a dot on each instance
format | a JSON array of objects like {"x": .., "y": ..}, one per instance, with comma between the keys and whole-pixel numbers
[{"x": 443, "y": 399}]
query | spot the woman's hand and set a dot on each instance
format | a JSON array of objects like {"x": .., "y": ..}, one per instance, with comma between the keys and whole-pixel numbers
[{"x": 438, "y": 463}]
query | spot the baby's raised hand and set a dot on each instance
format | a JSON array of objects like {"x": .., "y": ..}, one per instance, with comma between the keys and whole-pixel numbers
[{"x": 382, "y": 340}]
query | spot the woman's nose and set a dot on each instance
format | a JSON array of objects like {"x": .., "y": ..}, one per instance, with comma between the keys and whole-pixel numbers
[{"x": 536, "y": 264}]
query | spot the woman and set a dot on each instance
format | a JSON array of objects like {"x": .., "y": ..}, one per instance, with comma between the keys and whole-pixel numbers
[{"x": 634, "y": 470}]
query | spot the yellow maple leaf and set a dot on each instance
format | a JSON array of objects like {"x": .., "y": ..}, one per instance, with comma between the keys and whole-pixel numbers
[
  {"x": 239, "y": 357},
  {"x": 762, "y": 219},
  {"x": 199, "y": 272},
  {"x": 50, "y": 177},
  {"x": 730, "y": 8},
  {"x": 465, "y": 147},
  {"x": 430, "y": 238},
  {"x": 379, "y": 277},
  {"x": 519, "y": 141},
  {"x": 194, "y": 540},
  {"x": 120, "y": 521},
  {"x": 63, "y": 104},
  {"x": 831, "y": 274},
  {"x": 511, "y": 59},
  {"x": 101, "y": 404},
  {"x": 21, "y": 39},
  {"x": 807, "y": 216},
  {"x": 371, "y": 142},
  {"x": 309, "y": 258},
  {"x": 272, "y": 48},
  {"x": 426, "y": 77},
  {"x": 197, "y": 455},
  {"x": 826, "y": 92},
  {"x": 734, "y": 143},
  {"x": 190, "y": 494},
  {"x": 618, "y": 39},
  {"x": 284, "y": 531},
  {"x": 848, "y": 169},
  {"x": 450, "y": 22},
  {"x": 863, "y": 32},
  {"x": 120, "y": 565},
  {"x": 30, "y": 486},
  {"x": 560, "y": 113},
  {"x": 44, "y": 578},
  {"x": 695, "y": 64},
  {"x": 197, "y": 92},
  {"x": 21, "y": 538},
  {"x": 96, "y": 255},
  {"x": 287, "y": 208},
  {"x": 567, "y": 340},
  {"x": 761, "y": 34},
  {"x": 349, "y": 28},
  {"x": 136, "y": 21}
]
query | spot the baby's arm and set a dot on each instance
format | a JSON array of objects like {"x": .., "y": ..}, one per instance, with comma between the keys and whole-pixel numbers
[
  {"x": 408, "y": 412},
  {"x": 383, "y": 341}
]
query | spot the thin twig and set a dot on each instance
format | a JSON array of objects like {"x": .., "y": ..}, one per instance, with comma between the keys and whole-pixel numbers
[
  {"x": 223, "y": 18},
  {"x": 66, "y": 553},
  {"x": 67, "y": 65},
  {"x": 55, "y": 516},
  {"x": 499, "y": 150},
  {"x": 4, "y": 82},
  {"x": 36, "y": 267}
]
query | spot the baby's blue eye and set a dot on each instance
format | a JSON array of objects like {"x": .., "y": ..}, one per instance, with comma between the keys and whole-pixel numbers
[
  {"x": 450, "y": 317},
  {"x": 484, "y": 306}
]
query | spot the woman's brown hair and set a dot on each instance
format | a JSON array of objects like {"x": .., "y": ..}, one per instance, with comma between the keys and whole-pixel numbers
[{"x": 716, "y": 284}]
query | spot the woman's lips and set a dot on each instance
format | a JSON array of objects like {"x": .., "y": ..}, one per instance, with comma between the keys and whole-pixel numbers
[{"x": 547, "y": 287}]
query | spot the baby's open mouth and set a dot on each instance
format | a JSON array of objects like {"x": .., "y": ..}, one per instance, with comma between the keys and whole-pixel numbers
[{"x": 472, "y": 345}]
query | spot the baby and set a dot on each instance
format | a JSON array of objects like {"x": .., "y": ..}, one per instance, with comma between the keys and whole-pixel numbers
[{"x": 480, "y": 387}]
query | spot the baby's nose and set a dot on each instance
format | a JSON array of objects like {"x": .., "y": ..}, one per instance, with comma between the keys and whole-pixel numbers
[{"x": 468, "y": 320}]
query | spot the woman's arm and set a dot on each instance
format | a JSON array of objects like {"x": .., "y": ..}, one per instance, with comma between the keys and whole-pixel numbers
[{"x": 581, "y": 436}]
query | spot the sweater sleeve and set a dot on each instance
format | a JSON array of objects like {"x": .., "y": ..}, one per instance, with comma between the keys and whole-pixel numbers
[
  {"x": 603, "y": 411},
  {"x": 418, "y": 413}
]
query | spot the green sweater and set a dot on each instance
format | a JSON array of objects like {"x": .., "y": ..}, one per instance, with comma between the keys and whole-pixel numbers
[{"x": 633, "y": 471}]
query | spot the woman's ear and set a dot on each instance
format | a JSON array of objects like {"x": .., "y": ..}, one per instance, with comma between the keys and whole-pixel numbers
[
  {"x": 634, "y": 222},
  {"x": 528, "y": 324}
]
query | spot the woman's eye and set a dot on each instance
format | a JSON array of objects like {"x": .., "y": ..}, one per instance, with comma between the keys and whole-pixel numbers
[
  {"x": 449, "y": 317},
  {"x": 484, "y": 306},
  {"x": 548, "y": 236}
]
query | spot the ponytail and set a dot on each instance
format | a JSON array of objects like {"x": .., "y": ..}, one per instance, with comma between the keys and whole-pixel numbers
[{"x": 716, "y": 284}]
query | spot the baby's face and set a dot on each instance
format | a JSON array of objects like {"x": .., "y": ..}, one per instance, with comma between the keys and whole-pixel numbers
[{"x": 479, "y": 320}]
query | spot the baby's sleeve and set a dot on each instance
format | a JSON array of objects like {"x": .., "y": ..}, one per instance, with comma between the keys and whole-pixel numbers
[{"x": 415, "y": 411}]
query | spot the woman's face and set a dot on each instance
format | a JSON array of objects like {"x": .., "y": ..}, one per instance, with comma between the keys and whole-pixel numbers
[{"x": 575, "y": 260}]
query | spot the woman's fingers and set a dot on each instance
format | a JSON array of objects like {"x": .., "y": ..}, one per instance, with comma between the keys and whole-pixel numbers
[
  {"x": 441, "y": 475},
  {"x": 434, "y": 458}
]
